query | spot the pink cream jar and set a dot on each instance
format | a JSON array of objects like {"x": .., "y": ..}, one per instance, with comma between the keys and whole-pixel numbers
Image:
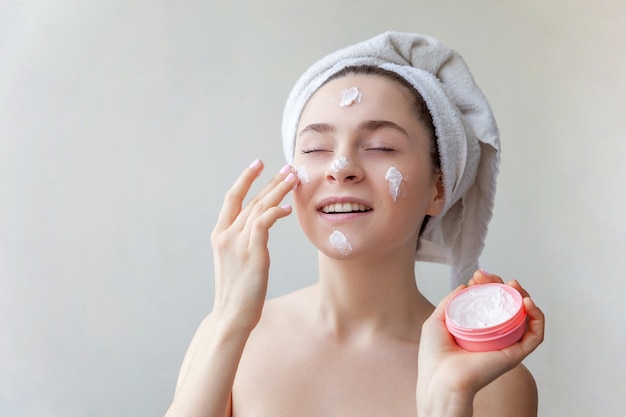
[{"x": 486, "y": 317}]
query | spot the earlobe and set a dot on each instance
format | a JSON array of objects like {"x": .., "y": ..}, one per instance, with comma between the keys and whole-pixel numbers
[
  {"x": 435, "y": 207},
  {"x": 438, "y": 200}
]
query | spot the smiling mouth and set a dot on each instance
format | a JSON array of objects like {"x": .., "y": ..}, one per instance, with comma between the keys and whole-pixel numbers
[{"x": 344, "y": 208}]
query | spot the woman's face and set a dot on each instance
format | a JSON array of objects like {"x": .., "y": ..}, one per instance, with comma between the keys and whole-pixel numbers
[{"x": 366, "y": 178}]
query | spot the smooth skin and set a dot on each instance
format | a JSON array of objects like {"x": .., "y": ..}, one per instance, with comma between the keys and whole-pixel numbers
[{"x": 363, "y": 341}]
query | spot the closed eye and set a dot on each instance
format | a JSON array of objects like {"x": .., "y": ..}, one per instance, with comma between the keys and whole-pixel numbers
[
  {"x": 305, "y": 151},
  {"x": 381, "y": 148}
]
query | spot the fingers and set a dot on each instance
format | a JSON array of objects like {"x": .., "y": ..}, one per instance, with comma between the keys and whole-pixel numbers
[
  {"x": 515, "y": 354},
  {"x": 234, "y": 214},
  {"x": 267, "y": 199},
  {"x": 234, "y": 197},
  {"x": 515, "y": 284},
  {"x": 481, "y": 277},
  {"x": 536, "y": 327},
  {"x": 259, "y": 234}
]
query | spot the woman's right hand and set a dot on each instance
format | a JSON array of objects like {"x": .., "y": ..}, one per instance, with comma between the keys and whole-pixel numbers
[{"x": 240, "y": 250}]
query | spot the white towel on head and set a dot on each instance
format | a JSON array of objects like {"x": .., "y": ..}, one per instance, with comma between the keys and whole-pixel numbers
[{"x": 467, "y": 136}]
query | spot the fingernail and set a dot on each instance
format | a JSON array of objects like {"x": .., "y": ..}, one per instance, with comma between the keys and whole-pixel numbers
[
  {"x": 285, "y": 169},
  {"x": 484, "y": 272},
  {"x": 255, "y": 163},
  {"x": 286, "y": 207},
  {"x": 289, "y": 177}
]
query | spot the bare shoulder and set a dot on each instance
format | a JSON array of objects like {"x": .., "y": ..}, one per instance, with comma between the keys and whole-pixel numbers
[
  {"x": 276, "y": 347},
  {"x": 514, "y": 394},
  {"x": 286, "y": 308},
  {"x": 282, "y": 318}
]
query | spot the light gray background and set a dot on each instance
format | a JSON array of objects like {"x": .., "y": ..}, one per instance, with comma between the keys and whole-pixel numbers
[{"x": 123, "y": 122}]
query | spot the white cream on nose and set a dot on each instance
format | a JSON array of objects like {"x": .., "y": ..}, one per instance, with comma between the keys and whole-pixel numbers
[{"x": 339, "y": 164}]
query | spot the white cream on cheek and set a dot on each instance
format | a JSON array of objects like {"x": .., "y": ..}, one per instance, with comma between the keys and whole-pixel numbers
[
  {"x": 339, "y": 164},
  {"x": 302, "y": 175},
  {"x": 340, "y": 242},
  {"x": 394, "y": 178},
  {"x": 483, "y": 306}
]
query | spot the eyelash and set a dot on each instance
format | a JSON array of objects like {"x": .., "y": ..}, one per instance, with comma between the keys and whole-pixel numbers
[
  {"x": 381, "y": 148},
  {"x": 305, "y": 151}
]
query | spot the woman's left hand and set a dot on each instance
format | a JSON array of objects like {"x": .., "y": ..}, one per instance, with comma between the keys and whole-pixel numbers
[{"x": 448, "y": 376}]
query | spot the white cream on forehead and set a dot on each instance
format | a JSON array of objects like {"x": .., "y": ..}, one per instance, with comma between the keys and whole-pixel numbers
[
  {"x": 483, "y": 306},
  {"x": 302, "y": 174},
  {"x": 349, "y": 96},
  {"x": 340, "y": 242},
  {"x": 339, "y": 164},
  {"x": 394, "y": 178}
]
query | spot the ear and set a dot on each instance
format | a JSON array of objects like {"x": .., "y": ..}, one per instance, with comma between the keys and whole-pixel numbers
[{"x": 438, "y": 197}]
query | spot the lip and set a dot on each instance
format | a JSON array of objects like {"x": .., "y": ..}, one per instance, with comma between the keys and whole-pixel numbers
[
  {"x": 342, "y": 200},
  {"x": 343, "y": 217}
]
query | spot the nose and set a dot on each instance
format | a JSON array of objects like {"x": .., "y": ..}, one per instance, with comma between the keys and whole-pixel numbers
[{"x": 344, "y": 170}]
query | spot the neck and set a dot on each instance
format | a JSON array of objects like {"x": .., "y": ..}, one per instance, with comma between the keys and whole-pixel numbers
[{"x": 370, "y": 296}]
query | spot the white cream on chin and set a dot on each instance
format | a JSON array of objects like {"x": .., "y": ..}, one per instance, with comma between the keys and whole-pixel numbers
[
  {"x": 394, "y": 178},
  {"x": 350, "y": 96},
  {"x": 483, "y": 306},
  {"x": 339, "y": 164},
  {"x": 339, "y": 241}
]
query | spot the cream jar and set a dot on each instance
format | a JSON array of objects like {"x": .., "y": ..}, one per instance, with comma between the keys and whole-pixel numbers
[{"x": 486, "y": 317}]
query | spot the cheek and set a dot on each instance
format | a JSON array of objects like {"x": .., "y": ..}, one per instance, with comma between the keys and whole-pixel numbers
[
  {"x": 309, "y": 171},
  {"x": 303, "y": 198},
  {"x": 300, "y": 197},
  {"x": 301, "y": 209}
]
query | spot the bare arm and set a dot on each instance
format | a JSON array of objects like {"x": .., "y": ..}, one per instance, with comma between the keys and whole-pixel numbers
[
  {"x": 208, "y": 371},
  {"x": 514, "y": 394},
  {"x": 241, "y": 259}
]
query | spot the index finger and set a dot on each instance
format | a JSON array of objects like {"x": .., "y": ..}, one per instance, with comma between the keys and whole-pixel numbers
[{"x": 233, "y": 200}]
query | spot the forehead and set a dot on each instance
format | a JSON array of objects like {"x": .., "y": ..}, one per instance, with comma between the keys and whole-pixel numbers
[{"x": 381, "y": 98}]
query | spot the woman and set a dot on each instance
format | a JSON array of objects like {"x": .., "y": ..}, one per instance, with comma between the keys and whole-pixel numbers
[{"x": 391, "y": 148}]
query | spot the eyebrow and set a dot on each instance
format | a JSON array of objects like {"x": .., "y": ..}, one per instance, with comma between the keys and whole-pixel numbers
[
  {"x": 372, "y": 125},
  {"x": 318, "y": 128},
  {"x": 369, "y": 125}
]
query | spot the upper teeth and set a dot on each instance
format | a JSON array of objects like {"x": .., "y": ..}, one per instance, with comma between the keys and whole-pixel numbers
[{"x": 343, "y": 208}]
